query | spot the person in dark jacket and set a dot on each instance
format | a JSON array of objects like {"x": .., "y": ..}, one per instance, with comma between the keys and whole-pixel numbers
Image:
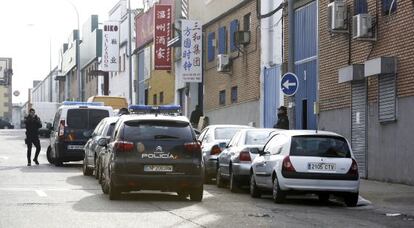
[
  {"x": 33, "y": 123},
  {"x": 195, "y": 116},
  {"x": 282, "y": 118}
]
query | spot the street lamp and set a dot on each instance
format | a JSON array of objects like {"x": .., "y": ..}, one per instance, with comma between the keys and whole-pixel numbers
[{"x": 78, "y": 74}]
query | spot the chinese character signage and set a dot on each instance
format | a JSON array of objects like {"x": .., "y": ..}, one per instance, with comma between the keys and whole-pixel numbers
[
  {"x": 191, "y": 48},
  {"x": 110, "y": 46},
  {"x": 162, "y": 34}
]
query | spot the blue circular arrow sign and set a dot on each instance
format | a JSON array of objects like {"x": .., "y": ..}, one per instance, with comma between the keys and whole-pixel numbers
[{"x": 289, "y": 84}]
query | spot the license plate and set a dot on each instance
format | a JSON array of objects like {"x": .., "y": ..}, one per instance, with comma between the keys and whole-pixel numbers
[
  {"x": 321, "y": 166},
  {"x": 75, "y": 147},
  {"x": 158, "y": 168}
]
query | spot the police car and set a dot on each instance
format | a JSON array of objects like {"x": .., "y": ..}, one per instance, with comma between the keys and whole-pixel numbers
[
  {"x": 72, "y": 126},
  {"x": 153, "y": 148}
]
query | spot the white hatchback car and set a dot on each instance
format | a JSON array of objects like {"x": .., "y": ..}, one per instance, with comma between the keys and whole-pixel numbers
[{"x": 306, "y": 161}]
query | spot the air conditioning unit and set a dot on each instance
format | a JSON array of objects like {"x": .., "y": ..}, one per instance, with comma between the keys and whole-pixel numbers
[
  {"x": 337, "y": 16},
  {"x": 223, "y": 63},
  {"x": 362, "y": 26},
  {"x": 242, "y": 37}
]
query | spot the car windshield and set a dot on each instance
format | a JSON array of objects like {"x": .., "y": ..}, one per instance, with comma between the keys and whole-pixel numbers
[
  {"x": 256, "y": 137},
  {"x": 76, "y": 118},
  {"x": 225, "y": 133},
  {"x": 320, "y": 146},
  {"x": 157, "y": 130}
]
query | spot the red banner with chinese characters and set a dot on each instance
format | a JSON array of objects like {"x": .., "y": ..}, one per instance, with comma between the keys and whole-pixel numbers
[{"x": 162, "y": 34}]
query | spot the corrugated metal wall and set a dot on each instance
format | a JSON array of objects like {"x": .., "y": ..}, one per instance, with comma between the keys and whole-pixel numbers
[
  {"x": 387, "y": 93},
  {"x": 306, "y": 65},
  {"x": 271, "y": 95},
  {"x": 359, "y": 121}
]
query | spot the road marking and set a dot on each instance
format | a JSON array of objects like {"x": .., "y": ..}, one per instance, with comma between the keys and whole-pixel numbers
[{"x": 41, "y": 193}]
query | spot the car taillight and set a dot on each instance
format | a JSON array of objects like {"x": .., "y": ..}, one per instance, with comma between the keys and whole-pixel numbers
[
  {"x": 192, "y": 147},
  {"x": 62, "y": 128},
  {"x": 245, "y": 156},
  {"x": 215, "y": 150},
  {"x": 287, "y": 165},
  {"x": 353, "y": 170},
  {"x": 123, "y": 146}
]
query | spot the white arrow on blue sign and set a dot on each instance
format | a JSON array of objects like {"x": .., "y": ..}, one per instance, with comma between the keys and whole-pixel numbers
[{"x": 289, "y": 84}]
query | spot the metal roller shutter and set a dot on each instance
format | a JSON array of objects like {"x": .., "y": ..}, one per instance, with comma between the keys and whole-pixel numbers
[
  {"x": 386, "y": 98},
  {"x": 358, "y": 138}
]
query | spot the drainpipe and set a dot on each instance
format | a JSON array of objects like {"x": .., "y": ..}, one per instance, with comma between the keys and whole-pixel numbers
[{"x": 291, "y": 64}]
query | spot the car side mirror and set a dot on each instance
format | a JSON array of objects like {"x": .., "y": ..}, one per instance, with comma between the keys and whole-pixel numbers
[
  {"x": 103, "y": 142},
  {"x": 261, "y": 152}
]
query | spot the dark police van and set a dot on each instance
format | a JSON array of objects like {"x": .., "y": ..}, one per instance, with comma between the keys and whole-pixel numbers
[{"x": 72, "y": 126}]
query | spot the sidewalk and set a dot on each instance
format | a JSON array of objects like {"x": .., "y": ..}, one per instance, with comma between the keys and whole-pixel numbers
[{"x": 387, "y": 197}]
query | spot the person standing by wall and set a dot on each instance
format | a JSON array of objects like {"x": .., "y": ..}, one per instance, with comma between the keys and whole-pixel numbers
[
  {"x": 282, "y": 118},
  {"x": 33, "y": 123},
  {"x": 195, "y": 116}
]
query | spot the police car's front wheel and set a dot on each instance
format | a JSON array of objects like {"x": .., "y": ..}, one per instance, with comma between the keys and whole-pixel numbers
[{"x": 49, "y": 155}]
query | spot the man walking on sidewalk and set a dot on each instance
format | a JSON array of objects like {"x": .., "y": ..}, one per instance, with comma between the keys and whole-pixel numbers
[{"x": 33, "y": 124}]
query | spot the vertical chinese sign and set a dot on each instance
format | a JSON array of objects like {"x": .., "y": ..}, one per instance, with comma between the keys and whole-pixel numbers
[
  {"x": 162, "y": 34},
  {"x": 191, "y": 47},
  {"x": 110, "y": 46}
]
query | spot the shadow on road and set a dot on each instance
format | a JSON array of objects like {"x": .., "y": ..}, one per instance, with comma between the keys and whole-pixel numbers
[
  {"x": 133, "y": 202},
  {"x": 49, "y": 168}
]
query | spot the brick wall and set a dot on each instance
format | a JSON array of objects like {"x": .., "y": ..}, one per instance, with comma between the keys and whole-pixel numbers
[
  {"x": 393, "y": 39},
  {"x": 245, "y": 72}
]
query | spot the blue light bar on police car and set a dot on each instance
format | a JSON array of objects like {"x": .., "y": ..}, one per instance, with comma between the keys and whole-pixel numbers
[
  {"x": 154, "y": 109},
  {"x": 73, "y": 103}
]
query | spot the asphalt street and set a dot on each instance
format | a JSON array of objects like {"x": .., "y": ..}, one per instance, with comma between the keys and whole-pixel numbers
[{"x": 49, "y": 196}]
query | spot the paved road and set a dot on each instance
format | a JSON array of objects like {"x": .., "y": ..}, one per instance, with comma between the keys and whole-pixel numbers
[{"x": 48, "y": 196}]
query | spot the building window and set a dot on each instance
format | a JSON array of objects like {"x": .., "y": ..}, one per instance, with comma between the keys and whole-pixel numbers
[
  {"x": 234, "y": 94},
  {"x": 211, "y": 46},
  {"x": 360, "y": 6},
  {"x": 161, "y": 97},
  {"x": 154, "y": 99},
  {"x": 123, "y": 62},
  {"x": 222, "y": 37},
  {"x": 247, "y": 19},
  {"x": 389, "y": 6},
  {"x": 234, "y": 27},
  {"x": 222, "y": 97}
]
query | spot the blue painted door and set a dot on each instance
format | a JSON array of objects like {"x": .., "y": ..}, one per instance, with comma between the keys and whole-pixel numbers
[
  {"x": 271, "y": 95},
  {"x": 306, "y": 65}
]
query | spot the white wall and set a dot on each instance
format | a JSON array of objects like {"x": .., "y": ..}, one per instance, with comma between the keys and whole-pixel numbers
[{"x": 271, "y": 46}]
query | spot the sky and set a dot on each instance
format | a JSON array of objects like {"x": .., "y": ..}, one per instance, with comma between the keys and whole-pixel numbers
[{"x": 33, "y": 32}]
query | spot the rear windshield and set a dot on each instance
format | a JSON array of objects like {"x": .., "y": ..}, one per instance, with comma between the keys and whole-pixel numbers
[
  {"x": 257, "y": 137},
  {"x": 85, "y": 118},
  {"x": 225, "y": 133},
  {"x": 156, "y": 130},
  {"x": 320, "y": 146}
]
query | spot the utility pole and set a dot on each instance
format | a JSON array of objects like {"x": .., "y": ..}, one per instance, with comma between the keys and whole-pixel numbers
[
  {"x": 130, "y": 52},
  {"x": 291, "y": 64}
]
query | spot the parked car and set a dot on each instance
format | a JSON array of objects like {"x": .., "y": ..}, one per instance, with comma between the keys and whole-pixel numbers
[
  {"x": 213, "y": 139},
  {"x": 152, "y": 151},
  {"x": 306, "y": 161},
  {"x": 44, "y": 131},
  {"x": 72, "y": 126},
  {"x": 92, "y": 158},
  {"x": 235, "y": 160},
  {"x": 4, "y": 124}
]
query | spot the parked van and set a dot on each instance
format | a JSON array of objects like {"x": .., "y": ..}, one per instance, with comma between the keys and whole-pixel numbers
[
  {"x": 72, "y": 126},
  {"x": 114, "y": 102}
]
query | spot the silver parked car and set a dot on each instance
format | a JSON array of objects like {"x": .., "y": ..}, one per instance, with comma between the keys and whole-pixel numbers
[
  {"x": 92, "y": 160},
  {"x": 306, "y": 161},
  {"x": 235, "y": 160},
  {"x": 213, "y": 139}
]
